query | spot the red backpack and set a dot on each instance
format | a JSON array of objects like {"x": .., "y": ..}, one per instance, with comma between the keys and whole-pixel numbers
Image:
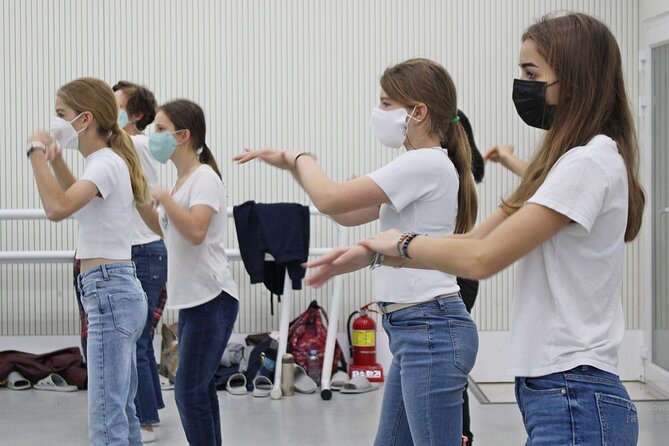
[{"x": 308, "y": 332}]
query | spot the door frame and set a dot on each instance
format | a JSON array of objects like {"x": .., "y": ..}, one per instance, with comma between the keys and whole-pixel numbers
[{"x": 656, "y": 34}]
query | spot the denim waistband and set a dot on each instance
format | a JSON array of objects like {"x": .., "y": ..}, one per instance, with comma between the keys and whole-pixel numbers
[
  {"x": 106, "y": 270},
  {"x": 390, "y": 307},
  {"x": 156, "y": 243}
]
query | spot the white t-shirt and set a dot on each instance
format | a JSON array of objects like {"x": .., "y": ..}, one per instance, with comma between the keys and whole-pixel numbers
[
  {"x": 103, "y": 221},
  {"x": 422, "y": 186},
  {"x": 139, "y": 232},
  {"x": 197, "y": 274},
  {"x": 567, "y": 308}
]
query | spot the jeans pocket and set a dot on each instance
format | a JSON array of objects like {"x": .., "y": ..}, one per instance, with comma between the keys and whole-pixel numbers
[
  {"x": 465, "y": 339},
  {"x": 618, "y": 418},
  {"x": 229, "y": 308},
  {"x": 129, "y": 312},
  {"x": 407, "y": 319},
  {"x": 544, "y": 386}
]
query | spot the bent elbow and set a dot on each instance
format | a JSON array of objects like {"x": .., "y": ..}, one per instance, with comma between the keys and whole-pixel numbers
[
  {"x": 481, "y": 267},
  {"x": 55, "y": 215}
]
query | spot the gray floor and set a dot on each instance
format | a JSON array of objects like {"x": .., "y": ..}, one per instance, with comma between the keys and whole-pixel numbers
[{"x": 37, "y": 417}]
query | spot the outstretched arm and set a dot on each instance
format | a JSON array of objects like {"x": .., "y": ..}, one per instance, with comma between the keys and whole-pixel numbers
[
  {"x": 479, "y": 258},
  {"x": 329, "y": 197}
]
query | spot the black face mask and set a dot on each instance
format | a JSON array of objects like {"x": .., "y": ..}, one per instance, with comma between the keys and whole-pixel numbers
[{"x": 529, "y": 97}]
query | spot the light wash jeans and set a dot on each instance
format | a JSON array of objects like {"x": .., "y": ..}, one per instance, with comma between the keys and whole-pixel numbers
[
  {"x": 151, "y": 262},
  {"x": 434, "y": 347},
  {"x": 116, "y": 308},
  {"x": 204, "y": 332},
  {"x": 582, "y": 406}
]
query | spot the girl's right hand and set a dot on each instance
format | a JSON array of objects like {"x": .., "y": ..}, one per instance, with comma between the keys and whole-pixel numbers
[
  {"x": 336, "y": 262},
  {"x": 499, "y": 153},
  {"x": 283, "y": 159}
]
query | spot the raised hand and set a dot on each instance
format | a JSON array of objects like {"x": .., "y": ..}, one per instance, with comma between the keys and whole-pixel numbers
[
  {"x": 498, "y": 153},
  {"x": 336, "y": 262},
  {"x": 283, "y": 159}
]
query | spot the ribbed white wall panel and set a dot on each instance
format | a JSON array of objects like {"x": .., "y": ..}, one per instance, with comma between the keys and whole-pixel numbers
[{"x": 287, "y": 74}]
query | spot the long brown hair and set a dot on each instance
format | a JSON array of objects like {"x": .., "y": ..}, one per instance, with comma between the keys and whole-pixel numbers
[
  {"x": 97, "y": 97},
  {"x": 186, "y": 114},
  {"x": 424, "y": 81},
  {"x": 586, "y": 60}
]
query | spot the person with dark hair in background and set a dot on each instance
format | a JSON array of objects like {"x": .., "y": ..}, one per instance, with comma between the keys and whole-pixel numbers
[
  {"x": 137, "y": 109},
  {"x": 469, "y": 288},
  {"x": 193, "y": 220}
]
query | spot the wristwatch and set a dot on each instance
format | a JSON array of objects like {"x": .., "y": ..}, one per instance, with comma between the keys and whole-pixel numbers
[{"x": 34, "y": 145}]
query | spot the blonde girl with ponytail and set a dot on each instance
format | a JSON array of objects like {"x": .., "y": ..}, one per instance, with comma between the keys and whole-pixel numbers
[
  {"x": 428, "y": 188},
  {"x": 103, "y": 200}
]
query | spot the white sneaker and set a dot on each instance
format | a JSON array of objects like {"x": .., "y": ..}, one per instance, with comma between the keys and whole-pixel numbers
[{"x": 148, "y": 436}]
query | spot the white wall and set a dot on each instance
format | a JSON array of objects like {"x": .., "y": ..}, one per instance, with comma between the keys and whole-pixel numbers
[{"x": 299, "y": 74}]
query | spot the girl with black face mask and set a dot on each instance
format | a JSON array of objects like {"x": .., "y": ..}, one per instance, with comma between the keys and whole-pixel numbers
[{"x": 578, "y": 202}]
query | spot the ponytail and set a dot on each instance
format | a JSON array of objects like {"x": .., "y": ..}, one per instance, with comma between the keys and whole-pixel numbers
[
  {"x": 206, "y": 157},
  {"x": 459, "y": 151},
  {"x": 122, "y": 145}
]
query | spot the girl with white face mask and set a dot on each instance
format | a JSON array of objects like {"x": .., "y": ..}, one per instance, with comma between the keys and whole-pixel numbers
[
  {"x": 103, "y": 200},
  {"x": 427, "y": 189}
]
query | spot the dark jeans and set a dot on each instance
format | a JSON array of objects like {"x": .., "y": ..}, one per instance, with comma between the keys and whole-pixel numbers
[
  {"x": 151, "y": 262},
  {"x": 468, "y": 290},
  {"x": 204, "y": 331}
]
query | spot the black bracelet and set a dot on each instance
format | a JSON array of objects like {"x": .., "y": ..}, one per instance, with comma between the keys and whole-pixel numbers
[{"x": 299, "y": 155}]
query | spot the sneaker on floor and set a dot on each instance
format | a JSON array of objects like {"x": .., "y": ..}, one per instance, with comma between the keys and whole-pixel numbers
[{"x": 148, "y": 436}]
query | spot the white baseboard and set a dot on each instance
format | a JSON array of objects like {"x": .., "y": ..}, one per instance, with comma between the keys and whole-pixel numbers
[{"x": 491, "y": 362}]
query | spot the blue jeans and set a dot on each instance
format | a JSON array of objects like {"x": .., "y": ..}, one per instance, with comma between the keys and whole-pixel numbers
[
  {"x": 204, "y": 331},
  {"x": 151, "y": 262},
  {"x": 116, "y": 308},
  {"x": 582, "y": 406},
  {"x": 434, "y": 347}
]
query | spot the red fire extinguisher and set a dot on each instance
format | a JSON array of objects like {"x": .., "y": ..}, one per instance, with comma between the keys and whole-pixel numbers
[{"x": 362, "y": 339}]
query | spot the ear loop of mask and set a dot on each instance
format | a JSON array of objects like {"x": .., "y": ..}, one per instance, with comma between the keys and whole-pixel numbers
[
  {"x": 77, "y": 117},
  {"x": 406, "y": 130}
]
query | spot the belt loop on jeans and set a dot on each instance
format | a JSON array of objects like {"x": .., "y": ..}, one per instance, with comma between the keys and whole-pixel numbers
[{"x": 105, "y": 274}]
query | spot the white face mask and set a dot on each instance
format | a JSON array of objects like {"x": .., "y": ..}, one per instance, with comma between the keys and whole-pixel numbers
[
  {"x": 66, "y": 135},
  {"x": 390, "y": 126}
]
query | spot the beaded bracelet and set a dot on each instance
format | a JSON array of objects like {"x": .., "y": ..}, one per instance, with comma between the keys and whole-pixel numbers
[{"x": 403, "y": 244}]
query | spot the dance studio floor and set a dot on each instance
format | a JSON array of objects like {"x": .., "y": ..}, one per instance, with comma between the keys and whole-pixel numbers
[{"x": 44, "y": 418}]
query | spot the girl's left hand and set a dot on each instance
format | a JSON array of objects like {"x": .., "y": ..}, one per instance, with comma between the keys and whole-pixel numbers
[
  {"x": 159, "y": 194},
  {"x": 283, "y": 159},
  {"x": 52, "y": 148},
  {"x": 383, "y": 242}
]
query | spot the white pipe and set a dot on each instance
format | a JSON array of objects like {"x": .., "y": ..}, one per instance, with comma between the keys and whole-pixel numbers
[
  {"x": 39, "y": 214},
  {"x": 331, "y": 341},
  {"x": 286, "y": 301}
]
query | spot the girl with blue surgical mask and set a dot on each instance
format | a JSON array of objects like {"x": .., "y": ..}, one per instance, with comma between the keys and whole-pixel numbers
[
  {"x": 192, "y": 219},
  {"x": 428, "y": 188}
]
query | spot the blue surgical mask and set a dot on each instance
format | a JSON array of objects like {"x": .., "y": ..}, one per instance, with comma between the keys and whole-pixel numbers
[
  {"x": 122, "y": 119},
  {"x": 162, "y": 145}
]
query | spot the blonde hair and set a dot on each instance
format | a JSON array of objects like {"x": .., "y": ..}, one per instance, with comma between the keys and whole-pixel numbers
[
  {"x": 96, "y": 96},
  {"x": 591, "y": 102},
  {"x": 422, "y": 80}
]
